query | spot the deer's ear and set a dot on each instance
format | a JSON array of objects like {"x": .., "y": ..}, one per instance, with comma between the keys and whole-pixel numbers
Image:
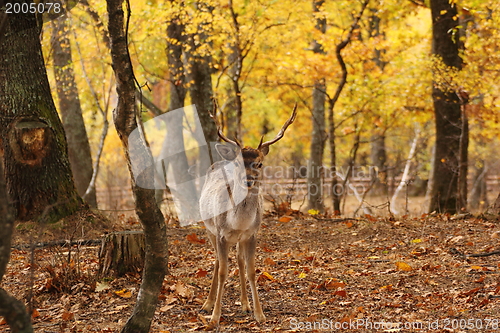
[
  {"x": 227, "y": 152},
  {"x": 264, "y": 150}
]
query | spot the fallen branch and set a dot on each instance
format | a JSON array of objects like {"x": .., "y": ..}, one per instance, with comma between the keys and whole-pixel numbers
[
  {"x": 345, "y": 219},
  {"x": 473, "y": 255},
  {"x": 61, "y": 243},
  {"x": 486, "y": 254}
]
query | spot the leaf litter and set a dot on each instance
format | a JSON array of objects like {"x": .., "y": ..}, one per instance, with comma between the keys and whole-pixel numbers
[{"x": 414, "y": 270}]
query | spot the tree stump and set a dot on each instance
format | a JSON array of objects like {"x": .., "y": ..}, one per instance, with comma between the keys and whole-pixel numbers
[{"x": 121, "y": 253}]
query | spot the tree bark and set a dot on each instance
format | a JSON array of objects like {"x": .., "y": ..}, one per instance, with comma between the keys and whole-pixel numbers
[
  {"x": 379, "y": 157},
  {"x": 11, "y": 308},
  {"x": 463, "y": 163},
  {"x": 37, "y": 168},
  {"x": 496, "y": 206},
  {"x": 201, "y": 89},
  {"x": 315, "y": 167},
  {"x": 318, "y": 135},
  {"x": 447, "y": 109},
  {"x": 14, "y": 312},
  {"x": 478, "y": 195},
  {"x": 378, "y": 150},
  {"x": 71, "y": 111},
  {"x": 174, "y": 144},
  {"x": 122, "y": 253},
  {"x": 152, "y": 220},
  {"x": 336, "y": 192},
  {"x": 235, "y": 112},
  {"x": 405, "y": 178}
]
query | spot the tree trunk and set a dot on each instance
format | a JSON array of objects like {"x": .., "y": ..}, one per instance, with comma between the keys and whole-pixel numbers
[
  {"x": 379, "y": 158},
  {"x": 496, "y": 206},
  {"x": 337, "y": 192},
  {"x": 201, "y": 95},
  {"x": 318, "y": 135},
  {"x": 478, "y": 195},
  {"x": 174, "y": 144},
  {"x": 378, "y": 151},
  {"x": 315, "y": 167},
  {"x": 447, "y": 109},
  {"x": 71, "y": 111},
  {"x": 463, "y": 160},
  {"x": 122, "y": 253},
  {"x": 38, "y": 173},
  {"x": 236, "y": 58},
  {"x": 405, "y": 178},
  {"x": 152, "y": 220},
  {"x": 11, "y": 308},
  {"x": 201, "y": 89}
]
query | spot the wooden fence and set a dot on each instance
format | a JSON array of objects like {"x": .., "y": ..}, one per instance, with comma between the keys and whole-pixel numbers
[{"x": 121, "y": 198}]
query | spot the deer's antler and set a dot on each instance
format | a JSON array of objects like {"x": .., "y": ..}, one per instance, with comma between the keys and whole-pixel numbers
[
  {"x": 213, "y": 115},
  {"x": 281, "y": 132}
]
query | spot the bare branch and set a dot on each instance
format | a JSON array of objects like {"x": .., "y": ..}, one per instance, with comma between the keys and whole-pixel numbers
[{"x": 419, "y": 3}]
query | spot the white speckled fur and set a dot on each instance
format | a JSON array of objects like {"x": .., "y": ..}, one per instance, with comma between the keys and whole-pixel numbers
[
  {"x": 231, "y": 207},
  {"x": 236, "y": 222},
  {"x": 232, "y": 213}
]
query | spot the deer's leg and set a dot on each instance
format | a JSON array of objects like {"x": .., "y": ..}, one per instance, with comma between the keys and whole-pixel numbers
[
  {"x": 245, "y": 306},
  {"x": 222, "y": 258},
  {"x": 249, "y": 247},
  {"x": 209, "y": 303}
]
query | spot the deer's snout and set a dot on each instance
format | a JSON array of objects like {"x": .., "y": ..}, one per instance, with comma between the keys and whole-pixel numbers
[{"x": 250, "y": 181}]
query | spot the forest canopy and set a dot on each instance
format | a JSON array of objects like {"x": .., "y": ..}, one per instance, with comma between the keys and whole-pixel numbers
[{"x": 267, "y": 48}]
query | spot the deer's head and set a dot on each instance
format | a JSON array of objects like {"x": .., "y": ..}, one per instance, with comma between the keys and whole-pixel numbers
[{"x": 253, "y": 158}]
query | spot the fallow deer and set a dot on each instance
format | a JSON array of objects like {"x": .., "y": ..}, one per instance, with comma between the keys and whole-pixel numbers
[{"x": 230, "y": 221}]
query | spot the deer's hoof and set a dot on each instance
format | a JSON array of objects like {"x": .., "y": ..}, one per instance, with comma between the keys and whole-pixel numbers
[
  {"x": 206, "y": 308},
  {"x": 211, "y": 326},
  {"x": 260, "y": 317},
  {"x": 246, "y": 310}
]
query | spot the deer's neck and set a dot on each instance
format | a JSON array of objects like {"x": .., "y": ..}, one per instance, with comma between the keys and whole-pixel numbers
[{"x": 246, "y": 214}]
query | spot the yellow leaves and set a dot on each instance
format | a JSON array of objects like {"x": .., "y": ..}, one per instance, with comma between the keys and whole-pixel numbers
[
  {"x": 265, "y": 276},
  {"x": 402, "y": 266},
  {"x": 387, "y": 288},
  {"x": 124, "y": 293},
  {"x": 313, "y": 212}
]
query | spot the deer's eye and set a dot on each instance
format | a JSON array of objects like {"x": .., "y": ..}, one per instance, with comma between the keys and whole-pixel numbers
[{"x": 257, "y": 165}]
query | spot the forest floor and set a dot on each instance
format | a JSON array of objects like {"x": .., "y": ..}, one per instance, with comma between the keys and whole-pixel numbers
[{"x": 362, "y": 275}]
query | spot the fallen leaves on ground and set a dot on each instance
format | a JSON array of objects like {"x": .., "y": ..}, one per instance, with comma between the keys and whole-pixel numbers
[{"x": 308, "y": 271}]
